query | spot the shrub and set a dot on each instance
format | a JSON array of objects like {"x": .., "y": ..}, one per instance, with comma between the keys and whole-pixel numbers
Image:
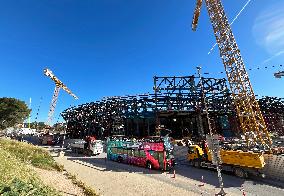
[
  {"x": 19, "y": 187},
  {"x": 28, "y": 153},
  {"x": 16, "y": 178}
]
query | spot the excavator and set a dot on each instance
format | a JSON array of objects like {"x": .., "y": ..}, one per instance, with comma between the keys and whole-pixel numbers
[{"x": 247, "y": 109}]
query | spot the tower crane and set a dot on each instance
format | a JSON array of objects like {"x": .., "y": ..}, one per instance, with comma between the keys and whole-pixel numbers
[
  {"x": 247, "y": 108},
  {"x": 58, "y": 86}
]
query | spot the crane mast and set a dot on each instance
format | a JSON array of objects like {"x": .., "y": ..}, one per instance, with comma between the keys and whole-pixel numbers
[
  {"x": 58, "y": 86},
  {"x": 247, "y": 108}
]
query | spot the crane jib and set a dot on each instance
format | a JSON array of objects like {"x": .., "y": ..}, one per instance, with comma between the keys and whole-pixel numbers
[{"x": 58, "y": 85}]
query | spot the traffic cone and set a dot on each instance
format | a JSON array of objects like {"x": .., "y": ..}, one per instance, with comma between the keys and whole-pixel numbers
[
  {"x": 202, "y": 181},
  {"x": 174, "y": 176},
  {"x": 243, "y": 190}
]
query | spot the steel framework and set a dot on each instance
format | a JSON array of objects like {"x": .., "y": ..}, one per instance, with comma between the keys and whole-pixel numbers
[
  {"x": 273, "y": 113},
  {"x": 179, "y": 95},
  {"x": 171, "y": 94},
  {"x": 184, "y": 94}
]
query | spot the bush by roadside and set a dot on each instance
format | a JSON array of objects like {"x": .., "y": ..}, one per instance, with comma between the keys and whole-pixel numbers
[
  {"x": 30, "y": 154},
  {"x": 16, "y": 178}
]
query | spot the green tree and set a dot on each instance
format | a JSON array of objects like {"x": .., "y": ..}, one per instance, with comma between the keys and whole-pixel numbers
[
  {"x": 12, "y": 112},
  {"x": 59, "y": 127},
  {"x": 36, "y": 125}
]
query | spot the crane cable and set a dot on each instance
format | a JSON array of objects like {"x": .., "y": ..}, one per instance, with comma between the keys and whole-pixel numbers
[{"x": 258, "y": 68}]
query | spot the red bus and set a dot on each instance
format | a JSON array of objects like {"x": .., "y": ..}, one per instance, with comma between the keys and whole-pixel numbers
[{"x": 152, "y": 153}]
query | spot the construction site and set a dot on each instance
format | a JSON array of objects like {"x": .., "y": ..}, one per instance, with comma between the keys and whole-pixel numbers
[
  {"x": 243, "y": 133},
  {"x": 194, "y": 109},
  {"x": 163, "y": 138},
  {"x": 177, "y": 103}
]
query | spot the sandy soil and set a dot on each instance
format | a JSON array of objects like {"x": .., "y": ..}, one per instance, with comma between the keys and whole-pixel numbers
[
  {"x": 59, "y": 181},
  {"x": 121, "y": 183}
]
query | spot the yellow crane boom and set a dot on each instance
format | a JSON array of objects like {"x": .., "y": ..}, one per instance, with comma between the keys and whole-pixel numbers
[
  {"x": 247, "y": 108},
  {"x": 58, "y": 86}
]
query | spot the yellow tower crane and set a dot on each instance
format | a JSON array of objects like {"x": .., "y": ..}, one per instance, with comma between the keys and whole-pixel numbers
[
  {"x": 247, "y": 108},
  {"x": 58, "y": 86}
]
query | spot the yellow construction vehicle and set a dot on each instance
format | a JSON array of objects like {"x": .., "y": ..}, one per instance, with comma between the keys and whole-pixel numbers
[{"x": 240, "y": 163}]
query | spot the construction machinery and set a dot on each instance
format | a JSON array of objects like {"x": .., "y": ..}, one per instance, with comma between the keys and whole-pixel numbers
[
  {"x": 247, "y": 108},
  {"x": 58, "y": 86},
  {"x": 241, "y": 163},
  {"x": 246, "y": 105}
]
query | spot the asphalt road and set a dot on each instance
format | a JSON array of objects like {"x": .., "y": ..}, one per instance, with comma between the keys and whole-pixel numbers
[{"x": 186, "y": 177}]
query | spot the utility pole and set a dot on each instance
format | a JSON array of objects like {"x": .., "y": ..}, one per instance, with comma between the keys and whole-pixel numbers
[
  {"x": 213, "y": 144},
  {"x": 30, "y": 106}
]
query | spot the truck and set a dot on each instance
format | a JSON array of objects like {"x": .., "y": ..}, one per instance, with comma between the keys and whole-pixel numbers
[
  {"x": 47, "y": 139},
  {"x": 241, "y": 163},
  {"x": 90, "y": 146}
]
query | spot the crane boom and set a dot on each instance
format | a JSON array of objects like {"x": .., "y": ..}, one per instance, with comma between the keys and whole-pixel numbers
[
  {"x": 58, "y": 83},
  {"x": 196, "y": 14},
  {"x": 58, "y": 86},
  {"x": 247, "y": 108}
]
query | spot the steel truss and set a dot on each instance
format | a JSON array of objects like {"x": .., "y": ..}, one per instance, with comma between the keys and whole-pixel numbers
[
  {"x": 273, "y": 112},
  {"x": 179, "y": 94},
  {"x": 185, "y": 94}
]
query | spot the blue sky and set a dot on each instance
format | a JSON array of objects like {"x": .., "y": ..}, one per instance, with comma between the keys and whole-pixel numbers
[{"x": 115, "y": 47}]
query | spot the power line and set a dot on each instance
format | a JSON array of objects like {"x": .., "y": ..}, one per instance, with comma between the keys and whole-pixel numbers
[{"x": 249, "y": 69}]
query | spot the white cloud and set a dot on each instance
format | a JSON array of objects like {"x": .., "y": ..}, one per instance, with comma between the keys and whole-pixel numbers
[
  {"x": 273, "y": 57},
  {"x": 268, "y": 29}
]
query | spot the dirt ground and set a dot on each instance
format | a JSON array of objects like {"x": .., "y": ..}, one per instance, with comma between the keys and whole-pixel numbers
[
  {"x": 120, "y": 183},
  {"x": 112, "y": 178},
  {"x": 59, "y": 181},
  {"x": 108, "y": 180}
]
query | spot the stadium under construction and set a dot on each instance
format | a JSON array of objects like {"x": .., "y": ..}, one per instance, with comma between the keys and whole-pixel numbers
[{"x": 178, "y": 103}]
